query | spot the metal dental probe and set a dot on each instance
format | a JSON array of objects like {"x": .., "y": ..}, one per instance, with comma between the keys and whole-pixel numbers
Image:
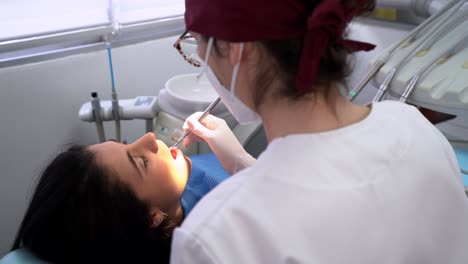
[{"x": 205, "y": 113}]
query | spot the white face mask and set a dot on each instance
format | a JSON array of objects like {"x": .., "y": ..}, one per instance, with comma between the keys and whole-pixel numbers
[{"x": 242, "y": 113}]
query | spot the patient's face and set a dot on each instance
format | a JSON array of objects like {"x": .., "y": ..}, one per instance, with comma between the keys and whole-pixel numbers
[{"x": 149, "y": 168}]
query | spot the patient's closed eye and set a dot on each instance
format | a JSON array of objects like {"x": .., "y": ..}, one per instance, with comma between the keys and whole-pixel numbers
[
  {"x": 124, "y": 142},
  {"x": 145, "y": 161}
]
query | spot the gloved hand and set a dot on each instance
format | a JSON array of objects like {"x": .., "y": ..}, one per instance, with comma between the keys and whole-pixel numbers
[{"x": 222, "y": 141}]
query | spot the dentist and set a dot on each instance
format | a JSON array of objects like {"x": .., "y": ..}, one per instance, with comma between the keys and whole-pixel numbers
[{"x": 338, "y": 182}]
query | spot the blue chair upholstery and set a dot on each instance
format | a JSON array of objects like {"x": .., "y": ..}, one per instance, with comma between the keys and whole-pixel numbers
[
  {"x": 462, "y": 157},
  {"x": 21, "y": 256}
]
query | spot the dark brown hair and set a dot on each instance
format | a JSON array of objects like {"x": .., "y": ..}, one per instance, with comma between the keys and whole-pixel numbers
[{"x": 79, "y": 214}]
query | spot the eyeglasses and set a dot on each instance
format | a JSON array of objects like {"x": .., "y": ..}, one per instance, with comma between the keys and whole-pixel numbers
[{"x": 187, "y": 39}]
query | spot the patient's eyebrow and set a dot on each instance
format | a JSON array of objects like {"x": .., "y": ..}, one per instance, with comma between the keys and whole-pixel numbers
[{"x": 129, "y": 156}]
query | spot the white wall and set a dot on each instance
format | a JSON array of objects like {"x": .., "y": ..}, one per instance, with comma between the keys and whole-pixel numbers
[{"x": 39, "y": 106}]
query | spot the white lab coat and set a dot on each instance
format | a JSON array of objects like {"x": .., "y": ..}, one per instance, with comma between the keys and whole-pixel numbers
[{"x": 384, "y": 190}]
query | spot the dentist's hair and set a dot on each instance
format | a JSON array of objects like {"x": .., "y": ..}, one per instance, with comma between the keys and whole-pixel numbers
[
  {"x": 78, "y": 214},
  {"x": 277, "y": 63}
]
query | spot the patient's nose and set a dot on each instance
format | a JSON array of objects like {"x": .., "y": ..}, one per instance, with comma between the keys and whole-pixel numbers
[{"x": 148, "y": 141}]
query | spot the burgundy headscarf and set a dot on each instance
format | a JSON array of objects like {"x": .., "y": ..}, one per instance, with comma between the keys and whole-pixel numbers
[{"x": 259, "y": 20}]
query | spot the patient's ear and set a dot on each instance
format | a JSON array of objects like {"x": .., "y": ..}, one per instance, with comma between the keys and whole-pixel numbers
[{"x": 157, "y": 216}]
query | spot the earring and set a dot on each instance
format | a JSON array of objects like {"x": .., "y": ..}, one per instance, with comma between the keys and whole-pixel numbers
[
  {"x": 164, "y": 216},
  {"x": 161, "y": 218}
]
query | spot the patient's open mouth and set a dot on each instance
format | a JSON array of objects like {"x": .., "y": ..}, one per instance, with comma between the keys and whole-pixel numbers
[{"x": 174, "y": 152}]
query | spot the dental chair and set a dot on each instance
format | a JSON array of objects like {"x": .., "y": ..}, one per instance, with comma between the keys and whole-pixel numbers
[{"x": 462, "y": 156}]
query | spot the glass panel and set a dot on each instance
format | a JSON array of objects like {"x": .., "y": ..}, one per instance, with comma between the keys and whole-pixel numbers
[{"x": 24, "y": 18}]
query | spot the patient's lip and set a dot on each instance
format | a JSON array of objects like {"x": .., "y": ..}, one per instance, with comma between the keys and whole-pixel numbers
[{"x": 174, "y": 152}]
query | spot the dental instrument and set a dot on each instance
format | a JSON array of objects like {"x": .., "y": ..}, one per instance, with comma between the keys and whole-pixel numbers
[
  {"x": 384, "y": 86},
  {"x": 404, "y": 42},
  {"x": 115, "y": 101},
  {"x": 96, "y": 106},
  {"x": 205, "y": 113},
  {"x": 449, "y": 52},
  {"x": 439, "y": 30}
]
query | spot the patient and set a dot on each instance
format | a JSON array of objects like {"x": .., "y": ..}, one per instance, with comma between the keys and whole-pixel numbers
[{"x": 111, "y": 203}]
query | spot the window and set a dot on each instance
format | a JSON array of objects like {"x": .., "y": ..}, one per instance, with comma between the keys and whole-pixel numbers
[
  {"x": 33, "y": 30},
  {"x": 24, "y": 18},
  {"x": 133, "y": 11}
]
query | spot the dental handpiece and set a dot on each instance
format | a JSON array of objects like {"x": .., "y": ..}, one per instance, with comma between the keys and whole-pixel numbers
[
  {"x": 447, "y": 54},
  {"x": 205, "y": 113},
  {"x": 384, "y": 86}
]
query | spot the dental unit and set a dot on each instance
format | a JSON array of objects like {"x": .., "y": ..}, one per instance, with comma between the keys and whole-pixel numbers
[{"x": 410, "y": 38}]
